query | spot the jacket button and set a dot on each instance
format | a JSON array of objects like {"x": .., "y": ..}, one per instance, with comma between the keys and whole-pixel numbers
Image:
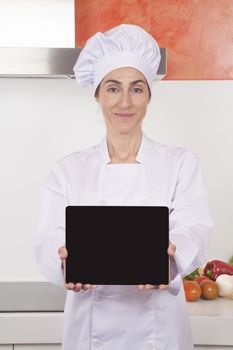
[{"x": 97, "y": 343}]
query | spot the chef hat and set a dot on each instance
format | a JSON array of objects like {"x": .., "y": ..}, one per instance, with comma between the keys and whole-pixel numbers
[{"x": 126, "y": 45}]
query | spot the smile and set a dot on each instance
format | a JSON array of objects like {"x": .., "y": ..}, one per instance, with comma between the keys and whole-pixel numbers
[{"x": 124, "y": 115}]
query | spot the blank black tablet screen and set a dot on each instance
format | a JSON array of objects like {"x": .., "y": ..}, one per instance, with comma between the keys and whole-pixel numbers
[{"x": 117, "y": 245}]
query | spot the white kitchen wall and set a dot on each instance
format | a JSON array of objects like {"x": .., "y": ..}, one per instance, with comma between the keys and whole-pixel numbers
[{"x": 42, "y": 120}]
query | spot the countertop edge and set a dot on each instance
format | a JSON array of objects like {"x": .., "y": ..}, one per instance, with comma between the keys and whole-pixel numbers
[{"x": 14, "y": 328}]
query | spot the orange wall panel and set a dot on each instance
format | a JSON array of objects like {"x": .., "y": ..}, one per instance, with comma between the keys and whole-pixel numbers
[{"x": 197, "y": 33}]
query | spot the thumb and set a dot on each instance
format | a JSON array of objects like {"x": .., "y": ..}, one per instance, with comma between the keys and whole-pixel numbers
[
  {"x": 62, "y": 252},
  {"x": 171, "y": 249}
]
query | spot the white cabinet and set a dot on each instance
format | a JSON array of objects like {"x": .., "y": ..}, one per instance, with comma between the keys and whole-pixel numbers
[
  {"x": 212, "y": 324},
  {"x": 212, "y": 347},
  {"x": 43, "y": 330},
  {"x": 31, "y": 328},
  {"x": 36, "y": 347}
]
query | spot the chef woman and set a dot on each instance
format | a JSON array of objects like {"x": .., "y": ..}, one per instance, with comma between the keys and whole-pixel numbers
[{"x": 126, "y": 168}]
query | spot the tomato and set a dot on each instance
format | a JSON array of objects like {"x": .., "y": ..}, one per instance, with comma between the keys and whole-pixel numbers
[
  {"x": 209, "y": 289},
  {"x": 192, "y": 290},
  {"x": 199, "y": 279}
]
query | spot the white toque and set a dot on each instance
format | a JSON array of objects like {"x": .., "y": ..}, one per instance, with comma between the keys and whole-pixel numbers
[{"x": 126, "y": 45}]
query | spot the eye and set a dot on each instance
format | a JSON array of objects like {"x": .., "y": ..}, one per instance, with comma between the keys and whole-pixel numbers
[
  {"x": 113, "y": 89},
  {"x": 137, "y": 90}
]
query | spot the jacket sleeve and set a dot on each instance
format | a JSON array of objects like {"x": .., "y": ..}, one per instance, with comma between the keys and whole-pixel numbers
[
  {"x": 190, "y": 222},
  {"x": 50, "y": 235}
]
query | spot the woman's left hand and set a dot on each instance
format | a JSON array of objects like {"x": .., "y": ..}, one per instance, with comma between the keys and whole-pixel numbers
[{"x": 171, "y": 251}]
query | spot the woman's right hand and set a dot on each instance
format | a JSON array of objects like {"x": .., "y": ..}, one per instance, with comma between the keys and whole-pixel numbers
[{"x": 62, "y": 251}]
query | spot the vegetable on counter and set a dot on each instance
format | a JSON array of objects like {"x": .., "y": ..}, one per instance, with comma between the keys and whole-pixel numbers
[
  {"x": 209, "y": 289},
  {"x": 192, "y": 275},
  {"x": 215, "y": 268},
  {"x": 230, "y": 261},
  {"x": 192, "y": 290},
  {"x": 225, "y": 285},
  {"x": 200, "y": 279}
]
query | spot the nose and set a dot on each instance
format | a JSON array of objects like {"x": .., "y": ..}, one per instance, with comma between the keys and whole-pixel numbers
[{"x": 125, "y": 100}]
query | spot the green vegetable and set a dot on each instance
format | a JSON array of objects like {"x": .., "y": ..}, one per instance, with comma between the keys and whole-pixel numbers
[
  {"x": 192, "y": 275},
  {"x": 230, "y": 261}
]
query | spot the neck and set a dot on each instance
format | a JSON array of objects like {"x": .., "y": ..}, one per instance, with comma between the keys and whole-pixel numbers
[{"x": 123, "y": 148}]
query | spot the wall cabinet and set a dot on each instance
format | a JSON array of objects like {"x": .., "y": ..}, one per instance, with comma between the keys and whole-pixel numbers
[{"x": 6, "y": 347}]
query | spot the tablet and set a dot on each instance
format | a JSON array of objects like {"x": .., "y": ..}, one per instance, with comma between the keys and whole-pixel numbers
[{"x": 117, "y": 245}]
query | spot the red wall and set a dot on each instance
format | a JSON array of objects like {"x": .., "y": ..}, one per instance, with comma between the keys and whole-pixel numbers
[{"x": 197, "y": 33}]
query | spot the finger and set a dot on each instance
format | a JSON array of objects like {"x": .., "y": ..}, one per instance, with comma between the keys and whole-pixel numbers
[
  {"x": 62, "y": 252},
  {"x": 141, "y": 286},
  {"x": 78, "y": 287},
  {"x": 163, "y": 286},
  {"x": 93, "y": 285},
  {"x": 171, "y": 249},
  {"x": 86, "y": 286},
  {"x": 69, "y": 286},
  {"x": 150, "y": 286}
]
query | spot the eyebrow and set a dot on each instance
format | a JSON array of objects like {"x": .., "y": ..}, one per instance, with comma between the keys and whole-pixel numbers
[{"x": 119, "y": 83}]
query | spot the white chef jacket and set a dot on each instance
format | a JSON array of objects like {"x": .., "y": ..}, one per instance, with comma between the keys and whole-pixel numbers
[{"x": 123, "y": 317}]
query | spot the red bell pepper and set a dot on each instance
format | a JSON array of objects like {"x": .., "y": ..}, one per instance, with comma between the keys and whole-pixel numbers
[{"x": 215, "y": 268}]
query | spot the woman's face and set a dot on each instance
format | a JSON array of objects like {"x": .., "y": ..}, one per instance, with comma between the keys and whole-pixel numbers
[{"x": 123, "y": 96}]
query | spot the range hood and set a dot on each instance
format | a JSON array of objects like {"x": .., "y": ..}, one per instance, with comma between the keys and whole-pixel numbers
[{"x": 36, "y": 62}]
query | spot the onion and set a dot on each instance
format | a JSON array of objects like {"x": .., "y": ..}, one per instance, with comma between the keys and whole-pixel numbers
[{"x": 225, "y": 284}]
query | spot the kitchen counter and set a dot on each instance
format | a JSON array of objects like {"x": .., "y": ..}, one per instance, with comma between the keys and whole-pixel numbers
[
  {"x": 32, "y": 312},
  {"x": 212, "y": 321},
  {"x": 31, "y": 296}
]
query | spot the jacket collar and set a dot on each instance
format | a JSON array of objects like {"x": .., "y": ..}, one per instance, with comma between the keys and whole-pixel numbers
[{"x": 141, "y": 152}]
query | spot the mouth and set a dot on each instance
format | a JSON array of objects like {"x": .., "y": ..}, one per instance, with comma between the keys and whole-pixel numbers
[{"x": 124, "y": 115}]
